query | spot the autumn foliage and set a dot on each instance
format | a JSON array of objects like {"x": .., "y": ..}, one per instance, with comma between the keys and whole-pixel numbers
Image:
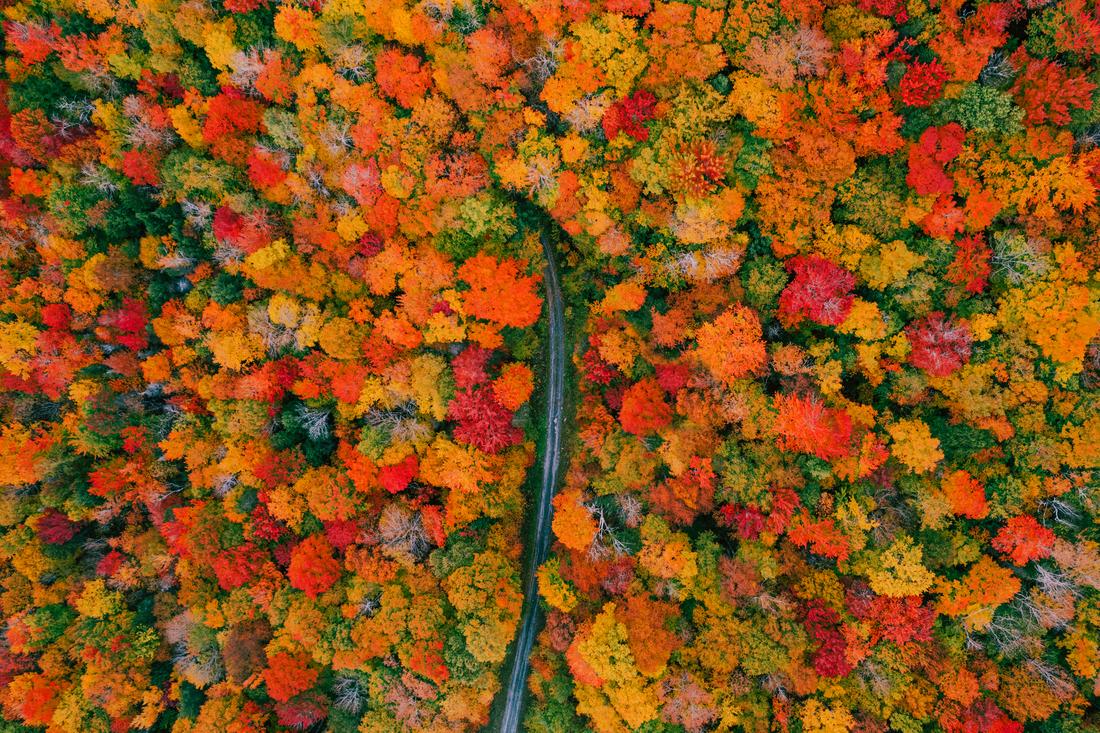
[{"x": 273, "y": 356}]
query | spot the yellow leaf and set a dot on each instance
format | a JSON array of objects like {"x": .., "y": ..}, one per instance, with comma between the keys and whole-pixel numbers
[{"x": 914, "y": 445}]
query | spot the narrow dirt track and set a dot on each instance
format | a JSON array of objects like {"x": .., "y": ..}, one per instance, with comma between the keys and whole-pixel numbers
[{"x": 517, "y": 681}]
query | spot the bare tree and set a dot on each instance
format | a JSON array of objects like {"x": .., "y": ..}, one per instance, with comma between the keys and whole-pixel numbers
[
  {"x": 197, "y": 656},
  {"x": 463, "y": 15},
  {"x": 1060, "y": 511},
  {"x": 770, "y": 603},
  {"x": 314, "y": 420},
  {"x": 336, "y": 137},
  {"x": 874, "y": 676},
  {"x": 1056, "y": 680},
  {"x": 998, "y": 70},
  {"x": 353, "y": 62},
  {"x": 630, "y": 509},
  {"x": 98, "y": 177},
  {"x": 400, "y": 423},
  {"x": 370, "y": 605},
  {"x": 199, "y": 214},
  {"x": 402, "y": 532},
  {"x": 224, "y": 483},
  {"x": 274, "y": 336},
  {"x": 1018, "y": 258},
  {"x": 247, "y": 67},
  {"x": 687, "y": 703},
  {"x": 1014, "y": 632},
  {"x": 788, "y": 56},
  {"x": 546, "y": 60},
  {"x": 348, "y": 694},
  {"x": 587, "y": 112},
  {"x": 604, "y": 542}
]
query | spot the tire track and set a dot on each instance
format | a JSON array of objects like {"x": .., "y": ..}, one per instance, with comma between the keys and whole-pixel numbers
[{"x": 517, "y": 681}]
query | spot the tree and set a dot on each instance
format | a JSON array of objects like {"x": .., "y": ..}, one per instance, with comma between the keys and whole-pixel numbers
[
  {"x": 1047, "y": 93},
  {"x": 732, "y": 346},
  {"x": 514, "y": 385},
  {"x": 573, "y": 523},
  {"x": 629, "y": 115},
  {"x": 486, "y": 594},
  {"x": 820, "y": 291},
  {"x": 903, "y": 572},
  {"x": 644, "y": 410},
  {"x": 555, "y": 590},
  {"x": 697, "y": 170},
  {"x": 821, "y": 623},
  {"x": 914, "y": 445},
  {"x": 976, "y": 595},
  {"x": 970, "y": 268},
  {"x": 922, "y": 83},
  {"x": 939, "y": 345},
  {"x": 244, "y": 649},
  {"x": 482, "y": 421},
  {"x": 651, "y": 644},
  {"x": 402, "y": 77},
  {"x": 788, "y": 56},
  {"x": 469, "y": 367},
  {"x": 966, "y": 495},
  {"x": 936, "y": 148},
  {"x": 683, "y": 498},
  {"x": 498, "y": 292},
  {"x": 402, "y": 532},
  {"x": 806, "y": 425},
  {"x": 229, "y": 115},
  {"x": 313, "y": 569},
  {"x": 816, "y": 718},
  {"x": 825, "y": 537},
  {"x": 288, "y": 674},
  {"x": 687, "y": 703},
  {"x": 1023, "y": 539}
]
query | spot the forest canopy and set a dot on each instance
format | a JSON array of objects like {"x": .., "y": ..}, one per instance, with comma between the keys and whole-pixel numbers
[{"x": 273, "y": 354}]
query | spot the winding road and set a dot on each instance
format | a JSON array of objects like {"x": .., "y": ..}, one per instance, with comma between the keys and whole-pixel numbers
[{"x": 517, "y": 681}]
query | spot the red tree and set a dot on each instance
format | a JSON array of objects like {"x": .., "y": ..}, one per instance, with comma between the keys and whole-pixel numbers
[
  {"x": 971, "y": 264},
  {"x": 820, "y": 291},
  {"x": 238, "y": 565},
  {"x": 230, "y": 114},
  {"x": 1023, "y": 539},
  {"x": 940, "y": 346},
  {"x": 482, "y": 421},
  {"x": 142, "y": 167},
  {"x": 313, "y": 569},
  {"x": 54, "y": 528},
  {"x": 302, "y": 711},
  {"x": 264, "y": 170},
  {"x": 923, "y": 83},
  {"x": 469, "y": 367},
  {"x": 902, "y": 620},
  {"x": 936, "y": 148},
  {"x": 806, "y": 425},
  {"x": 1046, "y": 93},
  {"x": 288, "y": 674},
  {"x": 629, "y": 114},
  {"x": 644, "y": 410},
  {"x": 983, "y": 716},
  {"x": 396, "y": 477},
  {"x": 823, "y": 536},
  {"x": 821, "y": 624}
]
